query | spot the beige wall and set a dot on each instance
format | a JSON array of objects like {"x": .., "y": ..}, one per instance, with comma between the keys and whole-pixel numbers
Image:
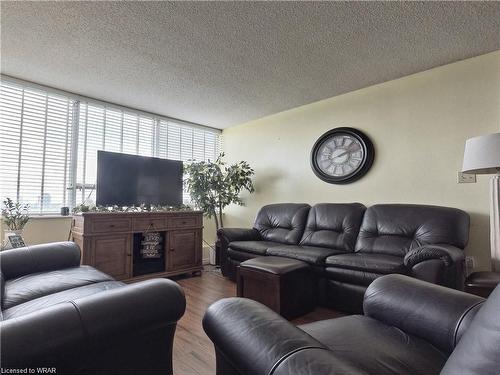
[
  {"x": 418, "y": 124},
  {"x": 45, "y": 229}
]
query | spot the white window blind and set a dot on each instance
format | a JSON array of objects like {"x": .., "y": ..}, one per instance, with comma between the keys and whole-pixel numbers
[
  {"x": 49, "y": 142},
  {"x": 109, "y": 129},
  {"x": 34, "y": 147}
]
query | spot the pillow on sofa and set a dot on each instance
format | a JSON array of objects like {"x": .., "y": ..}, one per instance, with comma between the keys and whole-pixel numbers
[
  {"x": 282, "y": 222},
  {"x": 395, "y": 229},
  {"x": 333, "y": 225}
]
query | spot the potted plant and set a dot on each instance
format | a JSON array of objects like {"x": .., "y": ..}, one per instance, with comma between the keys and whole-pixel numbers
[
  {"x": 15, "y": 217},
  {"x": 214, "y": 185}
]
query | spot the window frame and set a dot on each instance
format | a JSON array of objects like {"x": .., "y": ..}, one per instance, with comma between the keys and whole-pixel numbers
[{"x": 73, "y": 188}]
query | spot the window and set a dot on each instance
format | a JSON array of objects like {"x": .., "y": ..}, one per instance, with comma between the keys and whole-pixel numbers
[
  {"x": 109, "y": 129},
  {"x": 35, "y": 139},
  {"x": 49, "y": 142}
]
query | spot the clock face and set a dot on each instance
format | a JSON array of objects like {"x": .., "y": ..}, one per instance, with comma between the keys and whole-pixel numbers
[{"x": 342, "y": 155}]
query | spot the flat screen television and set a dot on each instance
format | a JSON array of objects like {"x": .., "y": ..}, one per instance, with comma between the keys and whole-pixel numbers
[{"x": 126, "y": 180}]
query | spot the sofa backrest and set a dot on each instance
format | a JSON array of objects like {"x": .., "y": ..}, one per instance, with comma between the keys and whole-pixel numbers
[
  {"x": 395, "y": 229},
  {"x": 333, "y": 225},
  {"x": 282, "y": 222},
  {"x": 478, "y": 351}
]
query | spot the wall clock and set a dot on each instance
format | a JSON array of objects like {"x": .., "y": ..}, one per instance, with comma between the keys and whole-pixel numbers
[{"x": 342, "y": 155}]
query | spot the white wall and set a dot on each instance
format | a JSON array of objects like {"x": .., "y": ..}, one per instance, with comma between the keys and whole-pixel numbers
[{"x": 418, "y": 125}]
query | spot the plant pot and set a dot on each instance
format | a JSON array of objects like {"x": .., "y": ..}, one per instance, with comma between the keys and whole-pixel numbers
[
  {"x": 9, "y": 232},
  {"x": 211, "y": 253}
]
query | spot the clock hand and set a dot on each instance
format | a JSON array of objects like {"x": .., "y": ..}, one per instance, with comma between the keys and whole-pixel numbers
[{"x": 340, "y": 155}]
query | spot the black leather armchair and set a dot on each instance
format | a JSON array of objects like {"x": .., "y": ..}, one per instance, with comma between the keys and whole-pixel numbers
[
  {"x": 409, "y": 327},
  {"x": 56, "y": 313}
]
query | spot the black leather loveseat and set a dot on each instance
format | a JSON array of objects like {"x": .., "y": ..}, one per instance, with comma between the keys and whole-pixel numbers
[
  {"x": 409, "y": 327},
  {"x": 349, "y": 245},
  {"x": 57, "y": 314}
]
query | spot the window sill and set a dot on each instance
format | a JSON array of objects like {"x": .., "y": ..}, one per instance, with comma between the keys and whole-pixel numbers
[{"x": 52, "y": 216}]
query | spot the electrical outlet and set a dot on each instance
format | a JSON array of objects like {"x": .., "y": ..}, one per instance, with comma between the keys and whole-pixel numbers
[
  {"x": 466, "y": 178},
  {"x": 470, "y": 263}
]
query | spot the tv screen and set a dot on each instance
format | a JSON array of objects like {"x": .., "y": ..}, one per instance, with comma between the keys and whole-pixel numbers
[{"x": 126, "y": 180}]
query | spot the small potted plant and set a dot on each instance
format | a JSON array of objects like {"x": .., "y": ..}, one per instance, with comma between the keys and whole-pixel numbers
[{"x": 15, "y": 217}]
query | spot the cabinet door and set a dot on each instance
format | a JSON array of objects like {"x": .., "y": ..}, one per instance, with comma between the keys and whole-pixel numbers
[
  {"x": 112, "y": 255},
  {"x": 184, "y": 249}
]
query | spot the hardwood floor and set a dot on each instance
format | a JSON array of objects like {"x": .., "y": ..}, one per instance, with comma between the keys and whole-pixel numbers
[{"x": 193, "y": 350}]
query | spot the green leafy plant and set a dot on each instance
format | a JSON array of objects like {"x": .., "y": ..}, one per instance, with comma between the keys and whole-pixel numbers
[
  {"x": 214, "y": 185},
  {"x": 15, "y": 215}
]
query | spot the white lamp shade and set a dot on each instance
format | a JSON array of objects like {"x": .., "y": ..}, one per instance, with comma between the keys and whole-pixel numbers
[{"x": 482, "y": 154}]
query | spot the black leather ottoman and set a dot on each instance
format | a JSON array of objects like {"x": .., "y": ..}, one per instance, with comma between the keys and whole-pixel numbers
[{"x": 287, "y": 286}]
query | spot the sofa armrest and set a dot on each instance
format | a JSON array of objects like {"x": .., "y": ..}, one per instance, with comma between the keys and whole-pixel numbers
[
  {"x": 252, "y": 338},
  {"x": 447, "y": 253},
  {"x": 434, "y": 313},
  {"x": 227, "y": 235},
  {"x": 66, "y": 334},
  {"x": 38, "y": 258},
  {"x": 138, "y": 307}
]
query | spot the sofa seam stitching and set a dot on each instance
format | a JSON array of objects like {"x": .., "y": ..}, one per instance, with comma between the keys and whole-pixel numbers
[
  {"x": 285, "y": 356},
  {"x": 455, "y": 333},
  {"x": 84, "y": 328}
]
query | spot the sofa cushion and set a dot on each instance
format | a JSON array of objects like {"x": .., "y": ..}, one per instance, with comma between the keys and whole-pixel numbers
[
  {"x": 395, "y": 229},
  {"x": 254, "y": 247},
  {"x": 378, "y": 263},
  {"x": 284, "y": 222},
  {"x": 349, "y": 276},
  {"x": 375, "y": 347},
  {"x": 36, "y": 285},
  {"x": 59, "y": 297},
  {"x": 309, "y": 254},
  {"x": 241, "y": 255},
  {"x": 333, "y": 225}
]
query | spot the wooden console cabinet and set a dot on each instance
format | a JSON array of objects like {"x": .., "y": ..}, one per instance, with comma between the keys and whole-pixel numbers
[{"x": 109, "y": 242}]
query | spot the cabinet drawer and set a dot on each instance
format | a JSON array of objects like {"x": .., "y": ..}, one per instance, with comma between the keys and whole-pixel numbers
[
  {"x": 152, "y": 224},
  {"x": 110, "y": 225},
  {"x": 182, "y": 222}
]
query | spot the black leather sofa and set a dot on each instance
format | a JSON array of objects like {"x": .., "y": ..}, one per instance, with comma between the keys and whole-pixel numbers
[
  {"x": 409, "y": 327},
  {"x": 349, "y": 245},
  {"x": 57, "y": 314}
]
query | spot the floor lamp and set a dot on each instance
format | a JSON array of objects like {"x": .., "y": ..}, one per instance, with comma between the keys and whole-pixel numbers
[{"x": 482, "y": 156}]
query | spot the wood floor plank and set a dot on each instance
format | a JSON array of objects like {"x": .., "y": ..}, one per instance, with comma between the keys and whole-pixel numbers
[{"x": 193, "y": 352}]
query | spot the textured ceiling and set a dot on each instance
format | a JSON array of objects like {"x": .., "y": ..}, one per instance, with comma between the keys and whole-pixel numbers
[{"x": 224, "y": 63}]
